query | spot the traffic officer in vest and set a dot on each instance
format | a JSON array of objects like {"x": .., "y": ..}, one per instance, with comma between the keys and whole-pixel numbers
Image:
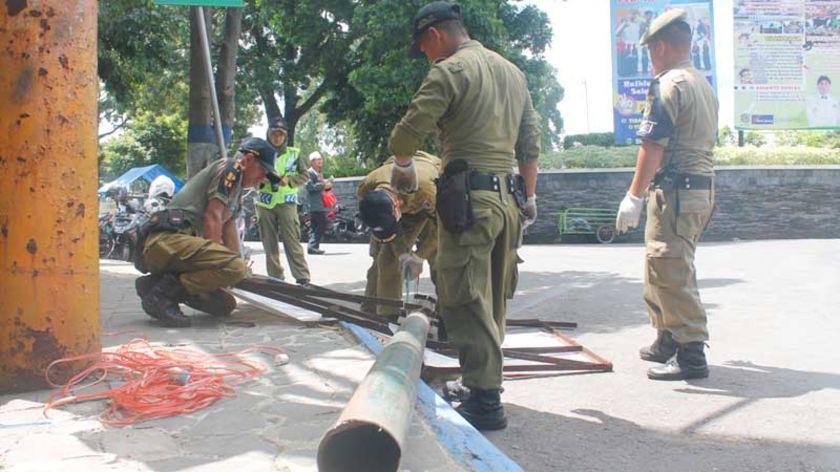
[
  {"x": 277, "y": 213},
  {"x": 480, "y": 103},
  {"x": 192, "y": 247},
  {"x": 675, "y": 165},
  {"x": 403, "y": 228}
]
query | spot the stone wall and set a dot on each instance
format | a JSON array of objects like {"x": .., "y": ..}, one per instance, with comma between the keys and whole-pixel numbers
[{"x": 752, "y": 202}]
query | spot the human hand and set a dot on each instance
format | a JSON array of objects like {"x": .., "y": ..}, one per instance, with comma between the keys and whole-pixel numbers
[
  {"x": 411, "y": 265},
  {"x": 530, "y": 211},
  {"x": 404, "y": 177},
  {"x": 628, "y": 213}
]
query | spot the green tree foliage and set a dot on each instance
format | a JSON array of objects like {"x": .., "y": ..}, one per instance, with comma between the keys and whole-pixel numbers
[
  {"x": 593, "y": 157},
  {"x": 589, "y": 139},
  {"x": 828, "y": 139},
  {"x": 754, "y": 138},
  {"x": 144, "y": 68},
  {"x": 150, "y": 139},
  {"x": 344, "y": 58},
  {"x": 381, "y": 79}
]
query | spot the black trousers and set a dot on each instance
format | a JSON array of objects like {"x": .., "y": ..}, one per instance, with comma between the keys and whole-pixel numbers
[{"x": 319, "y": 225}]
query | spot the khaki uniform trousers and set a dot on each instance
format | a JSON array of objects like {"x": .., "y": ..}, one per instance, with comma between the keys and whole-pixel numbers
[
  {"x": 201, "y": 265},
  {"x": 478, "y": 274},
  {"x": 282, "y": 223},
  {"x": 383, "y": 277},
  {"x": 675, "y": 221}
]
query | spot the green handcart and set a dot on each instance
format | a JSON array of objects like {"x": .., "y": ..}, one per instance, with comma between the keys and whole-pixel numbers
[{"x": 597, "y": 222}]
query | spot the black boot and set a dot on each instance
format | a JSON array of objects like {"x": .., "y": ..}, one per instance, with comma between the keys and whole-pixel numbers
[
  {"x": 162, "y": 301},
  {"x": 484, "y": 410},
  {"x": 217, "y": 303},
  {"x": 661, "y": 350},
  {"x": 143, "y": 285},
  {"x": 689, "y": 363}
]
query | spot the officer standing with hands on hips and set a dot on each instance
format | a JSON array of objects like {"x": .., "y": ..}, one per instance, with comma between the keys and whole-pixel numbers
[
  {"x": 191, "y": 249},
  {"x": 676, "y": 162},
  {"x": 480, "y": 103},
  {"x": 277, "y": 212}
]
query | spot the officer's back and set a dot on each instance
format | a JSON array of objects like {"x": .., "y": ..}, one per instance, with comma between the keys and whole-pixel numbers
[{"x": 489, "y": 96}]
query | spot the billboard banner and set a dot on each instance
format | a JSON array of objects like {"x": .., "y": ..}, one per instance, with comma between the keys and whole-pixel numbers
[
  {"x": 631, "y": 63},
  {"x": 787, "y": 64}
]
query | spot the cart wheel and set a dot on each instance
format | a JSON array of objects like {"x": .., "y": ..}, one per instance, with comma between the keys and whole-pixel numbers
[{"x": 605, "y": 234}]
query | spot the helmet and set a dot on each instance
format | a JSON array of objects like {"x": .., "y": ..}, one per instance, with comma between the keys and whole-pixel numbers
[
  {"x": 118, "y": 193},
  {"x": 162, "y": 186}
]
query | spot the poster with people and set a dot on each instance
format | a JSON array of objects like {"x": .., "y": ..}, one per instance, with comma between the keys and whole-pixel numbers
[
  {"x": 632, "y": 69},
  {"x": 787, "y": 64}
]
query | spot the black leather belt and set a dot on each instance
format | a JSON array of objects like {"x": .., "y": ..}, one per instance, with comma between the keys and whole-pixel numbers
[
  {"x": 684, "y": 181},
  {"x": 492, "y": 182}
]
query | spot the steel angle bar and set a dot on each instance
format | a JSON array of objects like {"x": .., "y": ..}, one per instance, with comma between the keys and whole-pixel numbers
[{"x": 538, "y": 323}]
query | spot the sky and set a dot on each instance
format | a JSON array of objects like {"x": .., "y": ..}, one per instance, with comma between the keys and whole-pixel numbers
[{"x": 580, "y": 51}]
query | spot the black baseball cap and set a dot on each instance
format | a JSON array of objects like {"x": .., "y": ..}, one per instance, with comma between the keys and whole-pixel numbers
[
  {"x": 428, "y": 16},
  {"x": 377, "y": 211},
  {"x": 264, "y": 152},
  {"x": 277, "y": 122}
]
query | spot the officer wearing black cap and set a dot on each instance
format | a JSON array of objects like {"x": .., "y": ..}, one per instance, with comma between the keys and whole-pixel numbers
[
  {"x": 191, "y": 249},
  {"x": 675, "y": 170},
  {"x": 479, "y": 103},
  {"x": 403, "y": 228}
]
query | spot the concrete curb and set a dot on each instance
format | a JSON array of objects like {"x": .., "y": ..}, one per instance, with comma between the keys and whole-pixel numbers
[{"x": 465, "y": 443}]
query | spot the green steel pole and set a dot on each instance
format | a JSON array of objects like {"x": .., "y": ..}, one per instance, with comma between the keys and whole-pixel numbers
[{"x": 371, "y": 430}]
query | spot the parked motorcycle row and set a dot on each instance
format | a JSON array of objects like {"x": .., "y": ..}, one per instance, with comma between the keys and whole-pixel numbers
[{"x": 341, "y": 227}]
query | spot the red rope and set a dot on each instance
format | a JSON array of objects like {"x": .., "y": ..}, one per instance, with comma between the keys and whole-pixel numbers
[{"x": 154, "y": 381}]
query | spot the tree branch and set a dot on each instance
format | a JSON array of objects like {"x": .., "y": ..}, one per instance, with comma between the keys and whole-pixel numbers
[
  {"x": 312, "y": 100},
  {"x": 116, "y": 128}
]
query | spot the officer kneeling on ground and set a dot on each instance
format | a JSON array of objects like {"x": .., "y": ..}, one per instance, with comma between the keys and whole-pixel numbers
[
  {"x": 191, "y": 249},
  {"x": 398, "y": 222}
]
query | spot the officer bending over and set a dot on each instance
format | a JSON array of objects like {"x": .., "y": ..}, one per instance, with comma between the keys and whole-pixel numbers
[{"x": 398, "y": 222}]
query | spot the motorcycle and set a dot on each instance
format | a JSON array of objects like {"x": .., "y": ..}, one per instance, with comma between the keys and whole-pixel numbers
[
  {"x": 118, "y": 234},
  {"x": 340, "y": 228}
]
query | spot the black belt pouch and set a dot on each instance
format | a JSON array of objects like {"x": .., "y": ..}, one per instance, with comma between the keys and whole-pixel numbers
[{"x": 454, "y": 207}]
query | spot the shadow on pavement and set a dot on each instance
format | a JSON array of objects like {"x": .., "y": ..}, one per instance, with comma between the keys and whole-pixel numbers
[
  {"x": 750, "y": 382},
  {"x": 596, "y": 441}
]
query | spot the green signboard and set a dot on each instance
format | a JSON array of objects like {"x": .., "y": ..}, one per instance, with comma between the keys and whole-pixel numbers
[{"x": 203, "y": 3}]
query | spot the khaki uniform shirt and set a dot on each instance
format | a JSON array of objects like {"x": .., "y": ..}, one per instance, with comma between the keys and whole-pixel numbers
[
  {"x": 480, "y": 103},
  {"x": 681, "y": 114},
  {"x": 221, "y": 179},
  {"x": 419, "y": 202}
]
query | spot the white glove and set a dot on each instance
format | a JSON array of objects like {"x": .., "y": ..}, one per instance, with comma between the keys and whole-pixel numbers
[
  {"x": 628, "y": 213},
  {"x": 404, "y": 177},
  {"x": 530, "y": 211},
  {"x": 412, "y": 264}
]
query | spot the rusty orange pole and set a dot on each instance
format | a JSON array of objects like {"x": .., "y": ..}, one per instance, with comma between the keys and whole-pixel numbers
[{"x": 49, "y": 267}]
